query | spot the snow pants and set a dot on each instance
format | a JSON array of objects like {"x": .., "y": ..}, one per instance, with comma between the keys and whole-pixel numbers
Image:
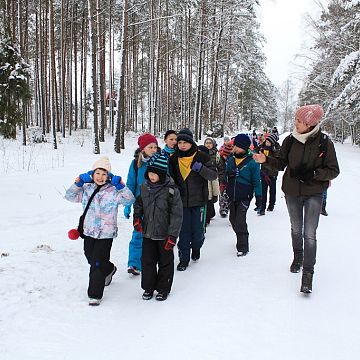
[
  {"x": 192, "y": 232},
  {"x": 238, "y": 211},
  {"x": 268, "y": 182},
  {"x": 304, "y": 212},
  {"x": 135, "y": 249},
  {"x": 157, "y": 266},
  {"x": 97, "y": 253}
]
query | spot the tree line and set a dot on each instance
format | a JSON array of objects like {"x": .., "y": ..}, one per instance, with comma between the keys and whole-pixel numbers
[{"x": 115, "y": 66}]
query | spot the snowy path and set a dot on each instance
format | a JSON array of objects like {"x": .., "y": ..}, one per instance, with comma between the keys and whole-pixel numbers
[{"x": 222, "y": 307}]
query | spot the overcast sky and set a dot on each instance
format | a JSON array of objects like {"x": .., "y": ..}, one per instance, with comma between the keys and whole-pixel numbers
[{"x": 283, "y": 25}]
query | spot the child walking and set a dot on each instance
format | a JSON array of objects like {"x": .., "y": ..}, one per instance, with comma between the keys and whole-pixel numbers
[
  {"x": 101, "y": 192},
  {"x": 191, "y": 170},
  {"x": 242, "y": 175},
  {"x": 148, "y": 146},
  {"x": 158, "y": 215}
]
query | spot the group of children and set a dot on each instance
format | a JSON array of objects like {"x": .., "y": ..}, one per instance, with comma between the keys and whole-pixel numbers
[{"x": 173, "y": 192}]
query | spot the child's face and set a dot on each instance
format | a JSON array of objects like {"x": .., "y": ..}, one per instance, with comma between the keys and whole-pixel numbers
[
  {"x": 209, "y": 144},
  {"x": 184, "y": 145},
  {"x": 170, "y": 141},
  {"x": 237, "y": 150},
  {"x": 150, "y": 150},
  {"x": 154, "y": 178},
  {"x": 100, "y": 176},
  {"x": 267, "y": 143}
]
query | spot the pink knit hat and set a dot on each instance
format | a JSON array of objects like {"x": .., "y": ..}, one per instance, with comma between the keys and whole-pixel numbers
[{"x": 310, "y": 114}]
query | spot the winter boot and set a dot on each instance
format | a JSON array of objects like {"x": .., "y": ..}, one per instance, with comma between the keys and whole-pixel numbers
[
  {"x": 195, "y": 254},
  {"x": 182, "y": 266},
  {"x": 108, "y": 279},
  {"x": 161, "y": 296},
  {"x": 133, "y": 270},
  {"x": 306, "y": 282},
  {"x": 270, "y": 208},
  {"x": 148, "y": 294},
  {"x": 323, "y": 209},
  {"x": 297, "y": 263},
  {"x": 94, "y": 302}
]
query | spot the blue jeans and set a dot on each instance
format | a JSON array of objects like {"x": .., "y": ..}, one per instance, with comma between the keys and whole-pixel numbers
[
  {"x": 192, "y": 232},
  {"x": 304, "y": 212}
]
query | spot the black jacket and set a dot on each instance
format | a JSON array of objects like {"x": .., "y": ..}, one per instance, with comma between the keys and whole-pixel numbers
[
  {"x": 161, "y": 210},
  {"x": 194, "y": 190}
]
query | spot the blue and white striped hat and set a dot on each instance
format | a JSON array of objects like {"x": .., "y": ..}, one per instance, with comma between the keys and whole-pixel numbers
[{"x": 158, "y": 162}]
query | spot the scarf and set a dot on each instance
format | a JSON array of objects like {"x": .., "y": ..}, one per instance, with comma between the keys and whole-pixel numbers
[{"x": 304, "y": 137}]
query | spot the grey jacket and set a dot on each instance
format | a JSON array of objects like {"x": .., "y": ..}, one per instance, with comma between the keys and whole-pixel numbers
[{"x": 161, "y": 210}]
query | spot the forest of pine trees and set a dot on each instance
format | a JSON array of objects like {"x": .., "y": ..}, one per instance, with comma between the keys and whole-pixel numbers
[{"x": 114, "y": 66}]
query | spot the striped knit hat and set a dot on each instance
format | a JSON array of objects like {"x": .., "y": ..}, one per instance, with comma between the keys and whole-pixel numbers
[
  {"x": 158, "y": 164},
  {"x": 272, "y": 138},
  {"x": 226, "y": 149}
]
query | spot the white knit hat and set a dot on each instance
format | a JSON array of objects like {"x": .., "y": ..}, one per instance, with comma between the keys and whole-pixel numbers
[{"x": 102, "y": 163}]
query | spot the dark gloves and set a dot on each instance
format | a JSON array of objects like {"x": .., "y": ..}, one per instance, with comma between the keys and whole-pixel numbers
[
  {"x": 197, "y": 166},
  {"x": 127, "y": 211},
  {"x": 137, "y": 225},
  {"x": 214, "y": 199},
  {"x": 84, "y": 178},
  {"x": 169, "y": 243},
  {"x": 116, "y": 181},
  {"x": 302, "y": 173},
  {"x": 258, "y": 202}
]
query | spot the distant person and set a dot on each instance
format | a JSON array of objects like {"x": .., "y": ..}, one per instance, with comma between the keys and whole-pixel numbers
[
  {"x": 100, "y": 193},
  {"x": 270, "y": 147},
  {"x": 158, "y": 215},
  {"x": 308, "y": 172}
]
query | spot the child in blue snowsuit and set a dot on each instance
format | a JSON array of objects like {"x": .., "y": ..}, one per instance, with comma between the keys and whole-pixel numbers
[{"x": 148, "y": 146}]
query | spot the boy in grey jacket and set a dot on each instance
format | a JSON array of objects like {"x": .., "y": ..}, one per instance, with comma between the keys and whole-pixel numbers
[{"x": 158, "y": 215}]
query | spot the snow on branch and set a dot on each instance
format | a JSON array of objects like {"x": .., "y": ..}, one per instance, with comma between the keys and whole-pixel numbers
[{"x": 346, "y": 67}]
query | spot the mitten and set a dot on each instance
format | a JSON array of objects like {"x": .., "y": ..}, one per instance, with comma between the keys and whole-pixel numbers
[
  {"x": 197, "y": 166},
  {"x": 85, "y": 178},
  {"x": 127, "y": 211},
  {"x": 214, "y": 199},
  {"x": 117, "y": 182},
  {"x": 169, "y": 243},
  {"x": 137, "y": 225}
]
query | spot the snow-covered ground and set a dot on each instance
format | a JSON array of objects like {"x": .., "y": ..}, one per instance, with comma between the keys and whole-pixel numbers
[{"x": 222, "y": 307}]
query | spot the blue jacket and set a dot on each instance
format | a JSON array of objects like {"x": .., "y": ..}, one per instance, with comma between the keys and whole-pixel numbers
[
  {"x": 244, "y": 182},
  {"x": 134, "y": 180}
]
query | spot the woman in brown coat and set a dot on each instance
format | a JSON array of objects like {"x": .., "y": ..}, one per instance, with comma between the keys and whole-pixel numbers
[{"x": 310, "y": 162}]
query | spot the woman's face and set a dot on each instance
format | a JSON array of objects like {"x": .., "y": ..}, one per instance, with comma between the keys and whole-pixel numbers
[
  {"x": 301, "y": 127},
  {"x": 170, "y": 141},
  {"x": 150, "y": 150},
  {"x": 100, "y": 176}
]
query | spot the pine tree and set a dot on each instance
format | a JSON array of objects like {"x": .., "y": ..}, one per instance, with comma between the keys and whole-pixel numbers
[{"x": 14, "y": 88}]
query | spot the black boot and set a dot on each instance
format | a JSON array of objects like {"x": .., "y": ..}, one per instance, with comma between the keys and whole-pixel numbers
[
  {"x": 297, "y": 263},
  {"x": 323, "y": 209},
  {"x": 306, "y": 282}
]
